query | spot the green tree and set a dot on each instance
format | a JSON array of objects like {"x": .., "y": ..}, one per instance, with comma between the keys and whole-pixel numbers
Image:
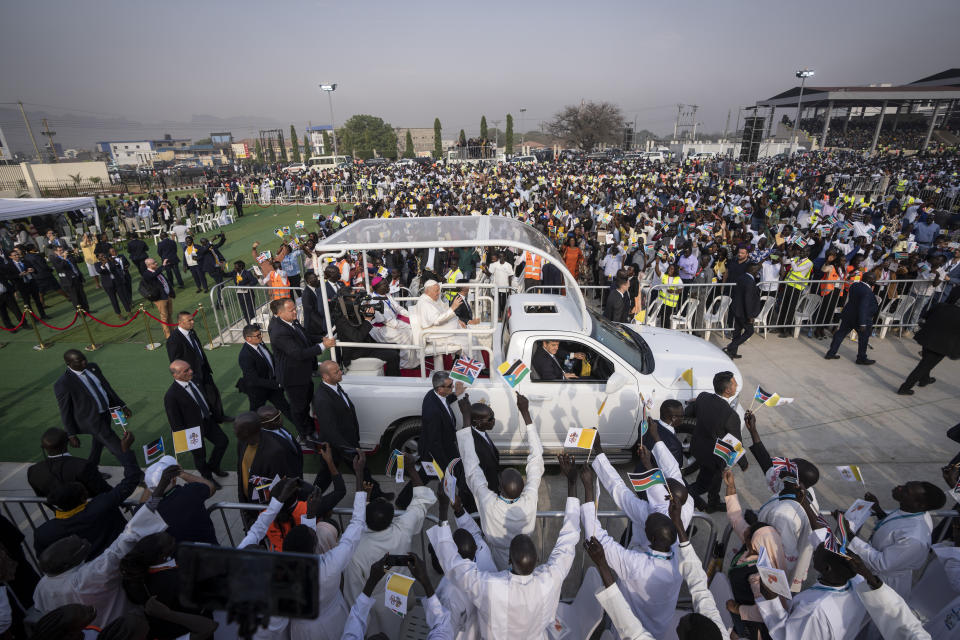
[
  {"x": 483, "y": 127},
  {"x": 271, "y": 153},
  {"x": 327, "y": 145},
  {"x": 463, "y": 138},
  {"x": 588, "y": 124},
  {"x": 508, "y": 138},
  {"x": 437, "y": 140},
  {"x": 408, "y": 152},
  {"x": 294, "y": 144},
  {"x": 258, "y": 151},
  {"x": 307, "y": 152},
  {"x": 361, "y": 134},
  {"x": 283, "y": 150}
]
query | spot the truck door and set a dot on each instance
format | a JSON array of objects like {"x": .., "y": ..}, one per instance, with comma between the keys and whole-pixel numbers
[{"x": 568, "y": 384}]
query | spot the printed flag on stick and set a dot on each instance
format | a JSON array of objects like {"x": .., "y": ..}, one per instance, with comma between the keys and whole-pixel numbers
[
  {"x": 449, "y": 481},
  {"x": 729, "y": 449},
  {"x": 432, "y": 469},
  {"x": 851, "y": 473},
  {"x": 153, "y": 451},
  {"x": 466, "y": 369},
  {"x": 299, "y": 224},
  {"x": 399, "y": 475},
  {"x": 187, "y": 440},
  {"x": 580, "y": 438},
  {"x": 647, "y": 479},
  {"x": 513, "y": 372},
  {"x": 783, "y": 465},
  {"x": 119, "y": 418},
  {"x": 396, "y": 594},
  {"x": 686, "y": 376},
  {"x": 858, "y": 513}
]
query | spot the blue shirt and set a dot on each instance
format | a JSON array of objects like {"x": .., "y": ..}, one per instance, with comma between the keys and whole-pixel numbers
[
  {"x": 291, "y": 264},
  {"x": 925, "y": 232}
]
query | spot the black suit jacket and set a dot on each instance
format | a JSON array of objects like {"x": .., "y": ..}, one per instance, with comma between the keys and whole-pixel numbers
[
  {"x": 939, "y": 333},
  {"x": 257, "y": 381},
  {"x": 296, "y": 356},
  {"x": 861, "y": 305},
  {"x": 47, "y": 475},
  {"x": 113, "y": 275},
  {"x": 67, "y": 272},
  {"x": 715, "y": 419},
  {"x": 182, "y": 410},
  {"x": 276, "y": 455},
  {"x": 179, "y": 348},
  {"x": 438, "y": 436},
  {"x": 338, "y": 423},
  {"x": 137, "y": 249},
  {"x": 746, "y": 297},
  {"x": 209, "y": 255},
  {"x": 464, "y": 312},
  {"x": 148, "y": 276},
  {"x": 169, "y": 250},
  {"x": 615, "y": 308},
  {"x": 489, "y": 458},
  {"x": 672, "y": 442},
  {"x": 312, "y": 316},
  {"x": 78, "y": 409},
  {"x": 545, "y": 367}
]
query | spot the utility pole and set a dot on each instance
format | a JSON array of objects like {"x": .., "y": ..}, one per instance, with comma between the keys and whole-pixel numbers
[
  {"x": 30, "y": 131},
  {"x": 50, "y": 134},
  {"x": 726, "y": 127},
  {"x": 693, "y": 122},
  {"x": 676, "y": 124},
  {"x": 496, "y": 142}
]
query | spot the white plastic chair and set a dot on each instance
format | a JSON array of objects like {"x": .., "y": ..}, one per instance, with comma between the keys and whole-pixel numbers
[
  {"x": 652, "y": 312},
  {"x": 579, "y": 619},
  {"x": 763, "y": 318},
  {"x": 895, "y": 313},
  {"x": 932, "y": 592},
  {"x": 716, "y": 315},
  {"x": 682, "y": 319},
  {"x": 809, "y": 303},
  {"x": 435, "y": 349},
  {"x": 365, "y": 367}
]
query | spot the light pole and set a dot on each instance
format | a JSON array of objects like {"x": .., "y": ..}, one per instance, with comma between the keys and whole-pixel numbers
[
  {"x": 522, "y": 111},
  {"x": 803, "y": 74},
  {"x": 330, "y": 88}
]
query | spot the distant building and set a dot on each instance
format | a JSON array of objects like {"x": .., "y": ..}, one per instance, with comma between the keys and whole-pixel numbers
[
  {"x": 316, "y": 139},
  {"x": 6, "y": 153},
  {"x": 422, "y": 140},
  {"x": 140, "y": 152}
]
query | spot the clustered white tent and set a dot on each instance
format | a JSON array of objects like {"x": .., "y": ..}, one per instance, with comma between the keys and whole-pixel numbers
[{"x": 18, "y": 208}]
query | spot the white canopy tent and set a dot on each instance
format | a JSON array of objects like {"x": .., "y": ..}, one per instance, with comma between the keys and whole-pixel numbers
[{"x": 17, "y": 208}]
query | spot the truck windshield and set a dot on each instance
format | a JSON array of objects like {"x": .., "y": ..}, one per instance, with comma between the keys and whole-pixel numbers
[{"x": 624, "y": 342}]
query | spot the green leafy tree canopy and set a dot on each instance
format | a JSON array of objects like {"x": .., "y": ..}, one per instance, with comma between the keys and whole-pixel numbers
[{"x": 362, "y": 133}]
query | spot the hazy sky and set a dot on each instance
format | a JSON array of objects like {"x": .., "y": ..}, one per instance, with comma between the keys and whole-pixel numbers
[{"x": 408, "y": 62}]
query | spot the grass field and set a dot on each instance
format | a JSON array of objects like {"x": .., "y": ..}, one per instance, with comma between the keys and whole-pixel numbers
[{"x": 27, "y": 403}]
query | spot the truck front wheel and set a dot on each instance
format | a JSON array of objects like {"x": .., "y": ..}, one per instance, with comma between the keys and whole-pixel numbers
[{"x": 406, "y": 437}]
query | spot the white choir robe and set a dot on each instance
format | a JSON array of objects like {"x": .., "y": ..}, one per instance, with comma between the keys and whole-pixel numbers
[
  {"x": 438, "y": 619},
  {"x": 890, "y": 613},
  {"x": 775, "y": 484},
  {"x": 817, "y": 613},
  {"x": 394, "y": 331},
  {"x": 98, "y": 582},
  {"x": 463, "y": 611},
  {"x": 650, "y": 580},
  {"x": 630, "y": 503},
  {"x": 899, "y": 544},
  {"x": 502, "y": 521},
  {"x": 395, "y": 539},
  {"x": 791, "y": 522},
  {"x": 435, "y": 313},
  {"x": 511, "y": 606}
]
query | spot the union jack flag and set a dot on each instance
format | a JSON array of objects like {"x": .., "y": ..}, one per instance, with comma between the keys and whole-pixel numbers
[
  {"x": 466, "y": 369},
  {"x": 782, "y": 465}
]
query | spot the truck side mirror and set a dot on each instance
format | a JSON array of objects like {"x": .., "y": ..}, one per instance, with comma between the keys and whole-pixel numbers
[{"x": 617, "y": 380}]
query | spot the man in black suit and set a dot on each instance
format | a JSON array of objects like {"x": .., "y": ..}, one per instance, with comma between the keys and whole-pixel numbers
[
  {"x": 238, "y": 203},
  {"x": 312, "y": 316},
  {"x": 332, "y": 285},
  {"x": 165, "y": 294},
  {"x": 463, "y": 312},
  {"x": 59, "y": 467},
  {"x": 169, "y": 252},
  {"x": 278, "y": 444},
  {"x": 548, "y": 359},
  {"x": 115, "y": 280},
  {"x": 617, "y": 306},
  {"x": 482, "y": 420},
  {"x": 211, "y": 261},
  {"x": 70, "y": 278},
  {"x": 242, "y": 277},
  {"x": 187, "y": 407},
  {"x": 715, "y": 419},
  {"x": 338, "y": 427},
  {"x": 259, "y": 380},
  {"x": 8, "y": 298},
  {"x": 857, "y": 314},
  {"x": 184, "y": 344},
  {"x": 84, "y": 398},
  {"x": 24, "y": 277},
  {"x": 938, "y": 338},
  {"x": 671, "y": 413},
  {"x": 438, "y": 435},
  {"x": 746, "y": 306},
  {"x": 137, "y": 249},
  {"x": 296, "y": 360}
]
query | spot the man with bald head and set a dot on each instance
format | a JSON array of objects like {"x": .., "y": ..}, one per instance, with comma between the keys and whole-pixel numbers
[
  {"x": 187, "y": 407},
  {"x": 512, "y": 510},
  {"x": 482, "y": 420}
]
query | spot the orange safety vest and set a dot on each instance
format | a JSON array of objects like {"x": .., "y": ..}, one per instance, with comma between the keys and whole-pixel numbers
[
  {"x": 279, "y": 283},
  {"x": 277, "y": 532},
  {"x": 533, "y": 266},
  {"x": 340, "y": 264},
  {"x": 826, "y": 288}
]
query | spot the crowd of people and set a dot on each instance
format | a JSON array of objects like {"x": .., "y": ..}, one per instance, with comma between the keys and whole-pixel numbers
[{"x": 630, "y": 228}]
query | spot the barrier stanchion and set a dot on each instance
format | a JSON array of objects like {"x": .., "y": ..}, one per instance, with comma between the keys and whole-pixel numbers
[
  {"x": 93, "y": 346},
  {"x": 206, "y": 328},
  {"x": 39, "y": 346},
  {"x": 151, "y": 345}
]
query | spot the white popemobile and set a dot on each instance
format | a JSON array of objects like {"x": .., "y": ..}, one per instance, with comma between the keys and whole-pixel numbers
[{"x": 629, "y": 365}]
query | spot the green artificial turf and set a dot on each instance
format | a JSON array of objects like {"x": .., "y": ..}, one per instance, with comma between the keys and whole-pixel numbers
[{"x": 141, "y": 377}]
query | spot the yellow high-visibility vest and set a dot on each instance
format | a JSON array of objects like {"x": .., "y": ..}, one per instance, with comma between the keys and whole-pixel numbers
[
  {"x": 669, "y": 299},
  {"x": 794, "y": 277}
]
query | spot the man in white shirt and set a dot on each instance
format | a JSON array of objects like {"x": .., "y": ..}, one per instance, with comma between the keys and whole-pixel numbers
[
  {"x": 522, "y": 601},
  {"x": 431, "y": 311},
  {"x": 612, "y": 263},
  {"x": 513, "y": 511},
  {"x": 501, "y": 273}
]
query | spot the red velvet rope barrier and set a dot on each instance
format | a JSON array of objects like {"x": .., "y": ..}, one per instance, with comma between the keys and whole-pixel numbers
[
  {"x": 115, "y": 326},
  {"x": 169, "y": 324},
  {"x": 76, "y": 314},
  {"x": 23, "y": 318}
]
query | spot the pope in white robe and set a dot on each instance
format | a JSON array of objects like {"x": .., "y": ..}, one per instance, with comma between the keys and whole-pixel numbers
[{"x": 431, "y": 312}]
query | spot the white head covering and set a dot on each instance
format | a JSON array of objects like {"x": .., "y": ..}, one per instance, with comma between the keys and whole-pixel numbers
[
  {"x": 152, "y": 475},
  {"x": 430, "y": 283}
]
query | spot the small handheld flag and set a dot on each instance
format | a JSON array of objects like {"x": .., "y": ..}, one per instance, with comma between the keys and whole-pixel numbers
[
  {"x": 432, "y": 469},
  {"x": 264, "y": 256},
  {"x": 513, "y": 372},
  {"x": 449, "y": 481},
  {"x": 397, "y": 592},
  {"x": 858, "y": 513},
  {"x": 119, "y": 418},
  {"x": 729, "y": 449},
  {"x": 466, "y": 369},
  {"x": 286, "y": 231},
  {"x": 776, "y": 400},
  {"x": 392, "y": 462},
  {"x": 775, "y": 580},
  {"x": 687, "y": 376},
  {"x": 644, "y": 427},
  {"x": 400, "y": 462},
  {"x": 279, "y": 232},
  {"x": 647, "y": 479},
  {"x": 152, "y": 451},
  {"x": 187, "y": 440},
  {"x": 760, "y": 395},
  {"x": 299, "y": 224},
  {"x": 784, "y": 465},
  {"x": 851, "y": 473},
  {"x": 316, "y": 216},
  {"x": 580, "y": 438}
]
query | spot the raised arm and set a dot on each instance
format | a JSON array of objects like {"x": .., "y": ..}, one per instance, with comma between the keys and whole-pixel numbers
[
  {"x": 626, "y": 499},
  {"x": 475, "y": 479}
]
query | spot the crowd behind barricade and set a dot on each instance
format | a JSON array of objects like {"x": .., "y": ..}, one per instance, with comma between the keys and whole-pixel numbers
[
  {"x": 615, "y": 226},
  {"x": 857, "y": 133}
]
